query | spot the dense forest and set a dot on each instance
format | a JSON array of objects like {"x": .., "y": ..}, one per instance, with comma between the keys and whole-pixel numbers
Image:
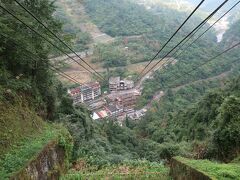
[
  {"x": 155, "y": 27},
  {"x": 175, "y": 76},
  {"x": 198, "y": 117}
]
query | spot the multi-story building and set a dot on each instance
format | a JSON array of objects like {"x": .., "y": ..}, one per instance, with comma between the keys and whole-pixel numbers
[
  {"x": 85, "y": 92},
  {"x": 125, "y": 99},
  {"x": 128, "y": 100},
  {"x": 116, "y": 84}
]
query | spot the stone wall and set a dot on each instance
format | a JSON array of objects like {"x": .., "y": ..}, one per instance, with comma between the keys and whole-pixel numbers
[
  {"x": 181, "y": 171},
  {"x": 48, "y": 164}
]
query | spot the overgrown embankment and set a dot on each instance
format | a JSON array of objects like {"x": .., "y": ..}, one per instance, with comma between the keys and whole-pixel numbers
[
  {"x": 17, "y": 121},
  {"x": 30, "y": 147},
  {"x": 183, "y": 168}
]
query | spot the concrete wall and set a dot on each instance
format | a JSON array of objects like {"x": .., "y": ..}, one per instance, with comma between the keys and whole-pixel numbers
[
  {"x": 49, "y": 164},
  {"x": 181, "y": 171}
]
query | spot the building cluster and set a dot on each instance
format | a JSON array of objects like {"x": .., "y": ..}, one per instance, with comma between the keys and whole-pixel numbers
[
  {"x": 85, "y": 93},
  {"x": 118, "y": 104},
  {"x": 116, "y": 84},
  {"x": 122, "y": 100}
]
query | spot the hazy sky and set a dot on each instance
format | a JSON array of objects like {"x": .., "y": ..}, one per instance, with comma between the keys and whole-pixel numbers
[{"x": 210, "y": 5}]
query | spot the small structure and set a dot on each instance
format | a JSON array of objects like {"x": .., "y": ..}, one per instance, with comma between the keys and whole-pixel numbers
[
  {"x": 116, "y": 84},
  {"x": 136, "y": 115},
  {"x": 99, "y": 115},
  {"x": 114, "y": 110},
  {"x": 85, "y": 92},
  {"x": 98, "y": 104},
  {"x": 128, "y": 100}
]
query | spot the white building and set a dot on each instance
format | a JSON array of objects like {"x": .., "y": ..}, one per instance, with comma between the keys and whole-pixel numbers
[
  {"x": 85, "y": 92},
  {"x": 116, "y": 84}
]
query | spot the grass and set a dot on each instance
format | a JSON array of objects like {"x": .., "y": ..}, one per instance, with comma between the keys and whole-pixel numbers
[
  {"x": 214, "y": 170},
  {"x": 23, "y": 134},
  {"x": 17, "y": 121},
  {"x": 127, "y": 170},
  {"x": 236, "y": 160},
  {"x": 18, "y": 157}
]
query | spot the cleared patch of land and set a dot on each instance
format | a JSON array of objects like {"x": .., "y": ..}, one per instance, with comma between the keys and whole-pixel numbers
[
  {"x": 76, "y": 13},
  {"x": 80, "y": 74}
]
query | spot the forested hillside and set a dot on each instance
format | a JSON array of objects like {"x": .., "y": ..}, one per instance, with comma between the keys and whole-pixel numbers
[
  {"x": 197, "y": 55},
  {"x": 70, "y": 27},
  {"x": 121, "y": 18},
  {"x": 207, "y": 124},
  {"x": 127, "y": 18},
  {"x": 21, "y": 72},
  {"x": 144, "y": 31},
  {"x": 29, "y": 89}
]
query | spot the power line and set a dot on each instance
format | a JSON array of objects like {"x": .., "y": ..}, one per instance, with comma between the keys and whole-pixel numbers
[
  {"x": 234, "y": 61},
  {"x": 199, "y": 36},
  {"x": 61, "y": 73},
  {"x": 215, "y": 57},
  {"x": 172, "y": 36},
  {"x": 15, "y": 17},
  {"x": 207, "y": 29},
  {"x": 187, "y": 36},
  {"x": 40, "y": 22},
  {"x": 208, "y": 61},
  {"x": 64, "y": 75}
]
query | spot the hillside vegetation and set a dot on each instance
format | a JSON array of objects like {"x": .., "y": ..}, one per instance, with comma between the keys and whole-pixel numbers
[
  {"x": 142, "y": 32},
  {"x": 24, "y": 134},
  {"x": 213, "y": 170},
  {"x": 210, "y": 123},
  {"x": 196, "y": 111},
  {"x": 71, "y": 26},
  {"x": 126, "y": 170}
]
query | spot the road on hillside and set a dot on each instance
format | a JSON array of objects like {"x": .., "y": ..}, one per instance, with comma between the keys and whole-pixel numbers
[
  {"x": 149, "y": 75},
  {"x": 158, "y": 95}
]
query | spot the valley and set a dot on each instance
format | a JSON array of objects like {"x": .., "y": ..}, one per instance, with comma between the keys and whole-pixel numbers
[{"x": 158, "y": 106}]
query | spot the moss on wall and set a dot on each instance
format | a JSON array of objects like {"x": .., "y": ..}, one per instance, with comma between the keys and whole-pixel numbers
[
  {"x": 183, "y": 168},
  {"x": 49, "y": 164},
  {"x": 181, "y": 171},
  {"x": 41, "y": 156},
  {"x": 30, "y": 147}
]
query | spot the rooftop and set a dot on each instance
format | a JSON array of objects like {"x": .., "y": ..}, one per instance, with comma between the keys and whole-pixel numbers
[
  {"x": 127, "y": 81},
  {"x": 131, "y": 92},
  {"x": 113, "y": 80},
  {"x": 93, "y": 85},
  {"x": 112, "y": 108}
]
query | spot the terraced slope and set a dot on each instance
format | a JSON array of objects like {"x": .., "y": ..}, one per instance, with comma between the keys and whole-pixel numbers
[{"x": 74, "y": 11}]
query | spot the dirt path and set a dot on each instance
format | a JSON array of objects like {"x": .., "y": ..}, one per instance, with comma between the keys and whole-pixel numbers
[
  {"x": 220, "y": 76},
  {"x": 158, "y": 95}
]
